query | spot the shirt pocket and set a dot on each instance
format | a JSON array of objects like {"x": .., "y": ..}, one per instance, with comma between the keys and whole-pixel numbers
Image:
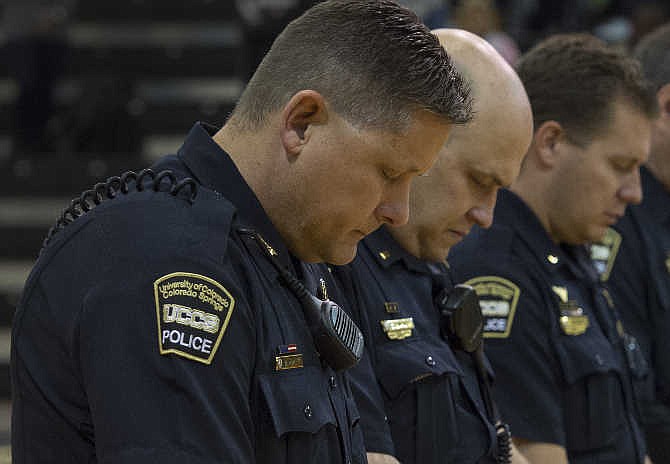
[
  {"x": 594, "y": 403},
  {"x": 401, "y": 363},
  {"x": 297, "y": 401},
  {"x": 302, "y": 418}
]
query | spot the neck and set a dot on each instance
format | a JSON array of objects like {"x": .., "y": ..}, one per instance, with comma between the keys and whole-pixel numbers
[
  {"x": 250, "y": 154},
  {"x": 660, "y": 168},
  {"x": 408, "y": 240},
  {"x": 534, "y": 195}
]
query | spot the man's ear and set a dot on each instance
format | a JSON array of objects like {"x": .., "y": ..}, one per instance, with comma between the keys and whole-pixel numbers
[
  {"x": 546, "y": 140},
  {"x": 304, "y": 109},
  {"x": 663, "y": 99}
]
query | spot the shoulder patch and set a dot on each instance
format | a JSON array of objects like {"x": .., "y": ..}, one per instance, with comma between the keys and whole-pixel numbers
[
  {"x": 192, "y": 313},
  {"x": 604, "y": 252},
  {"x": 498, "y": 298}
]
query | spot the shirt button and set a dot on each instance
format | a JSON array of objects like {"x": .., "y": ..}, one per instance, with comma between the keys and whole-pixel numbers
[
  {"x": 333, "y": 382},
  {"x": 308, "y": 411},
  {"x": 430, "y": 361},
  {"x": 599, "y": 360}
]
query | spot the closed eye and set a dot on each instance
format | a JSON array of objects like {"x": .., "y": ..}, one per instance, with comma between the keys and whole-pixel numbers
[{"x": 624, "y": 165}]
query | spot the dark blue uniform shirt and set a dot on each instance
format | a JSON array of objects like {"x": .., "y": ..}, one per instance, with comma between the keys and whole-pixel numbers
[
  {"x": 429, "y": 393},
  {"x": 634, "y": 261},
  {"x": 152, "y": 330},
  {"x": 553, "y": 338}
]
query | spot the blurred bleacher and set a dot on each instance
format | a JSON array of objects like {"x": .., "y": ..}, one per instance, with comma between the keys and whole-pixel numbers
[{"x": 177, "y": 59}]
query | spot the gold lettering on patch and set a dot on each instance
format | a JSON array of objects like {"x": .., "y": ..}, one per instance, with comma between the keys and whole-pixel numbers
[{"x": 289, "y": 361}]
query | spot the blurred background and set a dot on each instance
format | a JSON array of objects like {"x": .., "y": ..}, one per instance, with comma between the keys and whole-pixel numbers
[{"x": 90, "y": 89}]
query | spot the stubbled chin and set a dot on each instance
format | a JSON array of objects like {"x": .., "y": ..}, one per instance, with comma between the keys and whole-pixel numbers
[
  {"x": 342, "y": 256},
  {"x": 435, "y": 254}
]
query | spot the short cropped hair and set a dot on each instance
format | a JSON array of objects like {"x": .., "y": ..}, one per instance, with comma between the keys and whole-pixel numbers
[
  {"x": 574, "y": 79},
  {"x": 653, "y": 52},
  {"x": 374, "y": 62}
]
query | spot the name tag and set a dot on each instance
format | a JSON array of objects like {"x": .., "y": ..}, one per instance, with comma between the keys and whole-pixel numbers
[{"x": 398, "y": 329}]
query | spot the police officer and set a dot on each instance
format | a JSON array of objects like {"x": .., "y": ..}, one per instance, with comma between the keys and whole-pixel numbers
[
  {"x": 166, "y": 319},
  {"x": 555, "y": 340},
  {"x": 634, "y": 258},
  {"x": 426, "y": 385}
]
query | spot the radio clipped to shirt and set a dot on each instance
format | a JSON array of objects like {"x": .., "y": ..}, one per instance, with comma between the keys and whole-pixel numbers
[
  {"x": 461, "y": 320},
  {"x": 337, "y": 338}
]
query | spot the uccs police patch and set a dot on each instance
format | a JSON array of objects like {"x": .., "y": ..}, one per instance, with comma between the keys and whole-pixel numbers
[
  {"x": 193, "y": 312},
  {"x": 498, "y": 298}
]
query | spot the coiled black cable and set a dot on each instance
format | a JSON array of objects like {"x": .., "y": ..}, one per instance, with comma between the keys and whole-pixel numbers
[
  {"x": 164, "y": 181},
  {"x": 504, "y": 442}
]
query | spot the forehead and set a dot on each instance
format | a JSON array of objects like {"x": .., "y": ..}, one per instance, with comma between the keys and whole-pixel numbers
[
  {"x": 627, "y": 135},
  {"x": 413, "y": 148},
  {"x": 488, "y": 151}
]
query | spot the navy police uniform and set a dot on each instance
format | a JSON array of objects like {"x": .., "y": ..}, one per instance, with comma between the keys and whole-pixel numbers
[
  {"x": 152, "y": 330},
  {"x": 428, "y": 392},
  {"x": 634, "y": 261},
  {"x": 553, "y": 337}
]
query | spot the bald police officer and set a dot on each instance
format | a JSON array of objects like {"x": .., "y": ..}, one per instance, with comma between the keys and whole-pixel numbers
[{"x": 426, "y": 385}]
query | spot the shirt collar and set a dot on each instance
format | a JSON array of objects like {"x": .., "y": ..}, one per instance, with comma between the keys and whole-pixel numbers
[
  {"x": 387, "y": 251},
  {"x": 515, "y": 213},
  {"x": 656, "y": 198},
  {"x": 215, "y": 169}
]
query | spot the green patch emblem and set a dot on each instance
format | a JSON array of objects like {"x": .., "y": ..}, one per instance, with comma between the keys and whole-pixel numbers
[
  {"x": 603, "y": 253},
  {"x": 498, "y": 298},
  {"x": 192, "y": 313}
]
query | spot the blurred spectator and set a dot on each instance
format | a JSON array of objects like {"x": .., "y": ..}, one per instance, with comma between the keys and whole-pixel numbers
[
  {"x": 100, "y": 122},
  {"x": 482, "y": 17},
  {"x": 647, "y": 16},
  {"x": 432, "y": 12},
  {"x": 262, "y": 21},
  {"x": 36, "y": 32}
]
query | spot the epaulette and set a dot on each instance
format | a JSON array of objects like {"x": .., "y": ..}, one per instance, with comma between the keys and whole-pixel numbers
[{"x": 128, "y": 182}]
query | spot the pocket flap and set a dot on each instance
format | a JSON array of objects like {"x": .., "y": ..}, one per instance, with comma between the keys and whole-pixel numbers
[
  {"x": 399, "y": 363},
  {"x": 298, "y": 400},
  {"x": 581, "y": 356}
]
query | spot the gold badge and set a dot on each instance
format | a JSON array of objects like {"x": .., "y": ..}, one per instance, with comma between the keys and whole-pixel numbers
[
  {"x": 562, "y": 292},
  {"x": 398, "y": 329},
  {"x": 192, "y": 313},
  {"x": 604, "y": 252},
  {"x": 573, "y": 320},
  {"x": 498, "y": 298}
]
